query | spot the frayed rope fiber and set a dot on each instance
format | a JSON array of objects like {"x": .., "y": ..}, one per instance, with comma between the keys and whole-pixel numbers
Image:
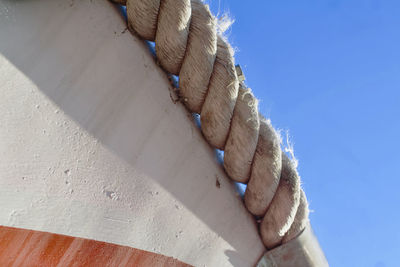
[{"x": 189, "y": 43}]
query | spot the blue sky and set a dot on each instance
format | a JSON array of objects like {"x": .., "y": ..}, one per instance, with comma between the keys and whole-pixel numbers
[{"x": 329, "y": 72}]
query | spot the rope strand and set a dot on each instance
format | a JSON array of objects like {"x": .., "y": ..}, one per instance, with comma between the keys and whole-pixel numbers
[{"x": 187, "y": 44}]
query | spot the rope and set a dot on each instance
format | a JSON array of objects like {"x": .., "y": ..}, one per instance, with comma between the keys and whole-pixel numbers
[{"x": 188, "y": 44}]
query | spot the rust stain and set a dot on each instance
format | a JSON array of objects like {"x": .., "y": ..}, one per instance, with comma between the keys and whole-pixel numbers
[{"x": 21, "y": 247}]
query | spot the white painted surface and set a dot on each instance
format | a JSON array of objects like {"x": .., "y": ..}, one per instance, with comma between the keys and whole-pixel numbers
[{"x": 91, "y": 144}]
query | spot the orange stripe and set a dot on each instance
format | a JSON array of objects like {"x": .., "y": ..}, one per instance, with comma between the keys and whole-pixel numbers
[{"x": 21, "y": 247}]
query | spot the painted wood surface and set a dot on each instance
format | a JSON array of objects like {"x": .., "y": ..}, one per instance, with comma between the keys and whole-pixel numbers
[
  {"x": 21, "y": 247},
  {"x": 93, "y": 146}
]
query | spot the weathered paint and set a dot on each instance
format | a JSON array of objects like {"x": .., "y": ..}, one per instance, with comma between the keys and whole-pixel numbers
[{"x": 92, "y": 145}]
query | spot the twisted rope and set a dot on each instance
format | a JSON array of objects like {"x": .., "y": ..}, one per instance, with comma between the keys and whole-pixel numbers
[{"x": 187, "y": 44}]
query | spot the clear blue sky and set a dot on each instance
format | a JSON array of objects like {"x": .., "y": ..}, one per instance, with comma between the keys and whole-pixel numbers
[{"x": 329, "y": 72}]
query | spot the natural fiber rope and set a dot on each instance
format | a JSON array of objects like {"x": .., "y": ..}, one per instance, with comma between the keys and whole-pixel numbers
[{"x": 188, "y": 45}]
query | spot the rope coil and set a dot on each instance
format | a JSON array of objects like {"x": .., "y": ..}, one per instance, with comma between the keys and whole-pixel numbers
[{"x": 188, "y": 45}]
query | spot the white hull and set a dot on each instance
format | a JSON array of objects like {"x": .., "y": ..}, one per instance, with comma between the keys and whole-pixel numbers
[{"x": 92, "y": 145}]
